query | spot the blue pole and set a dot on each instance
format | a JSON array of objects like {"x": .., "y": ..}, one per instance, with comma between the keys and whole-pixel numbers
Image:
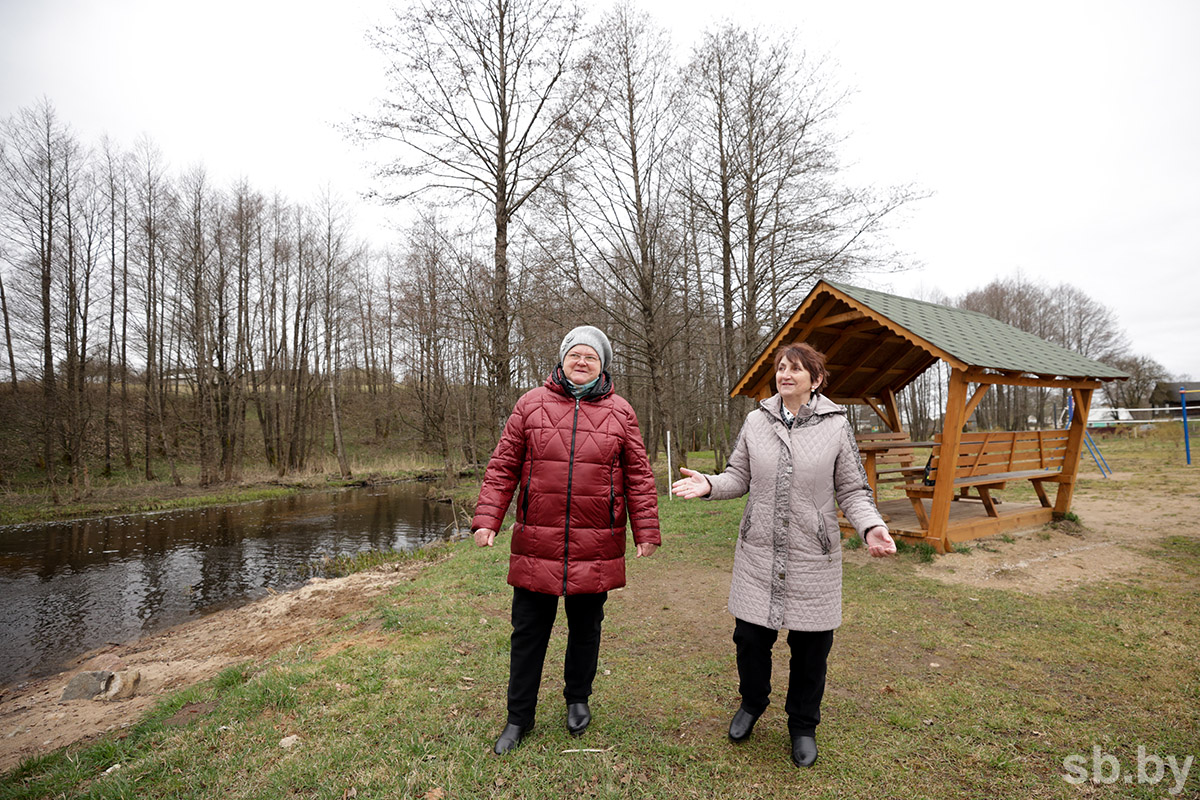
[
  {"x": 1187, "y": 443},
  {"x": 1102, "y": 459},
  {"x": 1092, "y": 450}
]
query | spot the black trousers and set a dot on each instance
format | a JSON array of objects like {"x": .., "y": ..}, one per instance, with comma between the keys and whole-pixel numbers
[
  {"x": 533, "y": 616},
  {"x": 806, "y": 678}
]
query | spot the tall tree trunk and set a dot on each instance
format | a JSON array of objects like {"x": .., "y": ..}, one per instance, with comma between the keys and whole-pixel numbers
[{"x": 12, "y": 362}]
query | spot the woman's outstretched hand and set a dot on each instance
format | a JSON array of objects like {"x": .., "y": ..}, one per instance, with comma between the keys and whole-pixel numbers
[
  {"x": 485, "y": 537},
  {"x": 881, "y": 544},
  {"x": 692, "y": 485}
]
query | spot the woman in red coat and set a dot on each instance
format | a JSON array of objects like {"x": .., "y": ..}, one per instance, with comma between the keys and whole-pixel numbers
[{"x": 573, "y": 454}]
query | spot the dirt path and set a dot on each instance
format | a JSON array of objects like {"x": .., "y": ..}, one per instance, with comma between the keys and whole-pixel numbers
[{"x": 32, "y": 720}]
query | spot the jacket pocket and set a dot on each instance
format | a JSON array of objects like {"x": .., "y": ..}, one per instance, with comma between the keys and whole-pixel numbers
[
  {"x": 747, "y": 519},
  {"x": 525, "y": 498}
]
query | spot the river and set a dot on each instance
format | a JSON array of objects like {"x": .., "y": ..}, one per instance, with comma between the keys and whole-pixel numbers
[{"x": 69, "y": 587}]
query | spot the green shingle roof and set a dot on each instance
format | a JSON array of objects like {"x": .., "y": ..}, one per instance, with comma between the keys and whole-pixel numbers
[{"x": 979, "y": 340}]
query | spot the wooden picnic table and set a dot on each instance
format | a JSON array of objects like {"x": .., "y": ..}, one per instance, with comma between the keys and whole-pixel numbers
[{"x": 872, "y": 450}]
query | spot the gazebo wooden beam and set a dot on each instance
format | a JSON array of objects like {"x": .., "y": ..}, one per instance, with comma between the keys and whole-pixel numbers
[
  {"x": 973, "y": 403},
  {"x": 879, "y": 411},
  {"x": 886, "y": 408},
  {"x": 917, "y": 370},
  {"x": 978, "y": 375},
  {"x": 893, "y": 409},
  {"x": 818, "y": 319},
  {"x": 758, "y": 376},
  {"x": 883, "y": 377},
  {"x": 838, "y": 319},
  {"x": 848, "y": 372},
  {"x": 847, "y": 334}
]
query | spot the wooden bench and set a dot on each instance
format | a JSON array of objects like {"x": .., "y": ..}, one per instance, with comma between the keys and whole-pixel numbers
[{"x": 987, "y": 461}]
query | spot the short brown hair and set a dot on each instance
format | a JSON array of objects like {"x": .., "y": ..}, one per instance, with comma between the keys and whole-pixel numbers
[{"x": 807, "y": 356}]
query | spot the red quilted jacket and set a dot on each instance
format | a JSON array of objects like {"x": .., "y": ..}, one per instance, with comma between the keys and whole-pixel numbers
[{"x": 581, "y": 471}]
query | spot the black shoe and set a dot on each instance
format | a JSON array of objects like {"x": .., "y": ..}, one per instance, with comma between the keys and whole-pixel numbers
[
  {"x": 804, "y": 751},
  {"x": 742, "y": 725},
  {"x": 510, "y": 737},
  {"x": 579, "y": 716}
]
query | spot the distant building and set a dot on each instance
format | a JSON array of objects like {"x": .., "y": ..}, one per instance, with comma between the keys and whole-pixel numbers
[{"x": 1166, "y": 395}]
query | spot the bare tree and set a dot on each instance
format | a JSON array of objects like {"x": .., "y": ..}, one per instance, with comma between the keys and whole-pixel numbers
[
  {"x": 335, "y": 258},
  {"x": 82, "y": 207},
  {"x": 623, "y": 189},
  {"x": 31, "y": 163},
  {"x": 489, "y": 103},
  {"x": 12, "y": 361},
  {"x": 115, "y": 182},
  {"x": 711, "y": 181},
  {"x": 154, "y": 208},
  {"x": 1144, "y": 374},
  {"x": 424, "y": 299},
  {"x": 1085, "y": 325}
]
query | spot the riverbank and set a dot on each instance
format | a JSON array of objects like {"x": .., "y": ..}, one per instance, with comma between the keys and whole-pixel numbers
[
  {"x": 37, "y": 503},
  {"x": 977, "y": 674},
  {"x": 34, "y": 721}
]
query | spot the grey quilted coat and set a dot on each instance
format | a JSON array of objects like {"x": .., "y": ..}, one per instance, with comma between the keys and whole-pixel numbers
[{"x": 787, "y": 567}]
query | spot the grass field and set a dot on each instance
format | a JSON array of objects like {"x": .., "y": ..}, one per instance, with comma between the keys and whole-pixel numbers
[{"x": 936, "y": 690}]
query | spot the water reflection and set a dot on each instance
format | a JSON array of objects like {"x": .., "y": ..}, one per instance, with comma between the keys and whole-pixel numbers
[{"x": 68, "y": 587}]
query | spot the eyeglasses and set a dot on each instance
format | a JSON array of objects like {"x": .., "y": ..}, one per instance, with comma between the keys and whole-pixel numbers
[{"x": 573, "y": 357}]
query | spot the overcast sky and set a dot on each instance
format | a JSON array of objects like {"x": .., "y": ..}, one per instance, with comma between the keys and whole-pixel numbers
[{"x": 1059, "y": 139}]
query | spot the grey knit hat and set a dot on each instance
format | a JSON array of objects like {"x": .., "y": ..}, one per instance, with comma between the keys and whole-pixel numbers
[{"x": 593, "y": 338}]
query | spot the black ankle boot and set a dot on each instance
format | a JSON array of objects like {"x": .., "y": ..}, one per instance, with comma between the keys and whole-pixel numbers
[
  {"x": 510, "y": 737},
  {"x": 742, "y": 725},
  {"x": 579, "y": 716},
  {"x": 804, "y": 751}
]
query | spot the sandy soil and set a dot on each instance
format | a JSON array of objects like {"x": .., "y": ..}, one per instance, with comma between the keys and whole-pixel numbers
[
  {"x": 1109, "y": 546},
  {"x": 33, "y": 720}
]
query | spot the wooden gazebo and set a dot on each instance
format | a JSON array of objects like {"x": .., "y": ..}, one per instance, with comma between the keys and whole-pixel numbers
[{"x": 876, "y": 344}]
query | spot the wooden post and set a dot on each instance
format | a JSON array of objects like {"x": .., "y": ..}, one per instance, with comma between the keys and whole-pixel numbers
[
  {"x": 1066, "y": 484},
  {"x": 943, "y": 485}
]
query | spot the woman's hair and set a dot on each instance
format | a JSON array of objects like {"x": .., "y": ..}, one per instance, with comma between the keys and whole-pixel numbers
[{"x": 807, "y": 356}]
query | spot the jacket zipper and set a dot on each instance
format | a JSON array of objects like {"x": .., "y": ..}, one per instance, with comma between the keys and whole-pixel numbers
[
  {"x": 525, "y": 499},
  {"x": 612, "y": 500},
  {"x": 570, "y": 473}
]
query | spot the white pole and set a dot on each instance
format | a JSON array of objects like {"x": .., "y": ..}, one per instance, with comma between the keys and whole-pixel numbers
[{"x": 669, "y": 472}]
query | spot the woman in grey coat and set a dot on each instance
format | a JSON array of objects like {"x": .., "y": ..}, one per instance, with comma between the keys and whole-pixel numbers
[{"x": 796, "y": 456}]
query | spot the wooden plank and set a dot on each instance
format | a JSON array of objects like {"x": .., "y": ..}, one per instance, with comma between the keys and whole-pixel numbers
[
  {"x": 1000, "y": 464},
  {"x": 1026, "y": 517},
  {"x": 968, "y": 521},
  {"x": 994, "y": 480},
  {"x": 880, "y": 436}
]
